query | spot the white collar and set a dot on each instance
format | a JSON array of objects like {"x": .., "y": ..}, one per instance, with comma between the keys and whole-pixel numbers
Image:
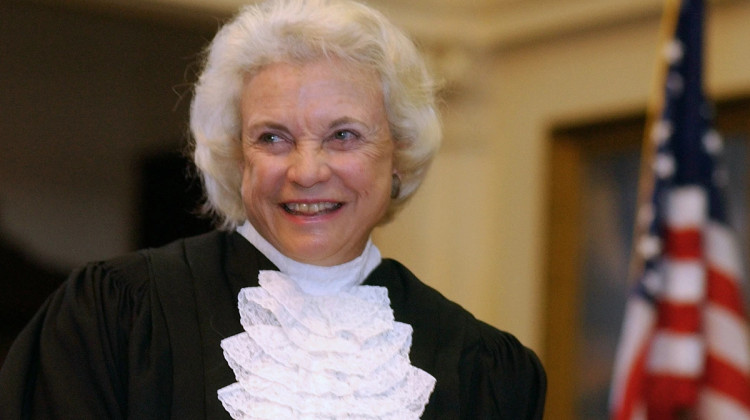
[{"x": 314, "y": 279}]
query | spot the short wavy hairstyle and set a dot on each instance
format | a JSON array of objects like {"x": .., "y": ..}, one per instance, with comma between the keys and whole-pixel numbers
[{"x": 298, "y": 31}]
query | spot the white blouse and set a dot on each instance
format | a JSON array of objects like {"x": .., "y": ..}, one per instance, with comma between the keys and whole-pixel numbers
[{"x": 319, "y": 345}]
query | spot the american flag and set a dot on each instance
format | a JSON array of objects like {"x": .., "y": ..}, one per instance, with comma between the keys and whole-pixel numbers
[{"x": 683, "y": 351}]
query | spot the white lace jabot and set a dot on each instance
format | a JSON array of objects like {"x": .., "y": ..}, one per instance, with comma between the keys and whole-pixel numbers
[{"x": 318, "y": 345}]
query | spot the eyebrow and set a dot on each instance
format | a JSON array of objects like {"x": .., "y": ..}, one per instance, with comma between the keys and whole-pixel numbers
[
  {"x": 266, "y": 125},
  {"x": 346, "y": 120}
]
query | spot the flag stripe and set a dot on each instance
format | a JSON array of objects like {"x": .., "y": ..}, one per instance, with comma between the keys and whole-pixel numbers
[
  {"x": 723, "y": 291},
  {"x": 633, "y": 386},
  {"x": 627, "y": 384},
  {"x": 678, "y": 318},
  {"x": 676, "y": 354},
  {"x": 683, "y": 244},
  {"x": 714, "y": 405},
  {"x": 722, "y": 251},
  {"x": 727, "y": 336},
  {"x": 725, "y": 379},
  {"x": 685, "y": 282},
  {"x": 667, "y": 391},
  {"x": 686, "y": 208}
]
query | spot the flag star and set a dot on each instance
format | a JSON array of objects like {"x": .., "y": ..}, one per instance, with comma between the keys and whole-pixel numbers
[
  {"x": 661, "y": 132},
  {"x": 649, "y": 246},
  {"x": 675, "y": 83},
  {"x": 653, "y": 283},
  {"x": 646, "y": 215},
  {"x": 664, "y": 165},
  {"x": 674, "y": 51},
  {"x": 713, "y": 142}
]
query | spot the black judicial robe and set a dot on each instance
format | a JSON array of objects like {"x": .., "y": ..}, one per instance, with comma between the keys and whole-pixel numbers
[{"x": 138, "y": 337}]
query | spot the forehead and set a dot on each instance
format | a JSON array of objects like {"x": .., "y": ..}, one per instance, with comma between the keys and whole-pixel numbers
[
  {"x": 315, "y": 85},
  {"x": 287, "y": 75}
]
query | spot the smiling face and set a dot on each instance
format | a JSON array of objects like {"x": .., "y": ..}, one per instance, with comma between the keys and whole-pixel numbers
[{"x": 317, "y": 158}]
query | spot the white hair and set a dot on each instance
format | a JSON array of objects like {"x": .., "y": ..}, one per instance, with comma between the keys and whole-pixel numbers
[{"x": 299, "y": 31}]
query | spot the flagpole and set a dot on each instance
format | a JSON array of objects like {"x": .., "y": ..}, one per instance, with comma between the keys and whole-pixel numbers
[{"x": 654, "y": 108}]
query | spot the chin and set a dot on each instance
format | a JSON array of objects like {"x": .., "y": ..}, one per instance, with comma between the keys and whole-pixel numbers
[{"x": 314, "y": 256}]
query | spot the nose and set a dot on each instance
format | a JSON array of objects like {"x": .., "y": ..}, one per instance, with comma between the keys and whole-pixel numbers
[{"x": 308, "y": 166}]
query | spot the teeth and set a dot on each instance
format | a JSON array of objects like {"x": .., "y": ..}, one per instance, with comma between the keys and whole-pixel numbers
[{"x": 310, "y": 208}]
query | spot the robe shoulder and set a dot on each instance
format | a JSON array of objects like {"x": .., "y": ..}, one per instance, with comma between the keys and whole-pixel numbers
[
  {"x": 99, "y": 346},
  {"x": 481, "y": 371}
]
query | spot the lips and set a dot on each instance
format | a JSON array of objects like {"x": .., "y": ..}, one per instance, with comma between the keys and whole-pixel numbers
[{"x": 311, "y": 209}]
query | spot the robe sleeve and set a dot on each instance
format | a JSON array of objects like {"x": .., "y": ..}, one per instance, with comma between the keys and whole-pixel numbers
[
  {"x": 505, "y": 379},
  {"x": 87, "y": 349}
]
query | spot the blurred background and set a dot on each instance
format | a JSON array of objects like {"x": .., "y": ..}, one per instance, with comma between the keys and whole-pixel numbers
[{"x": 525, "y": 218}]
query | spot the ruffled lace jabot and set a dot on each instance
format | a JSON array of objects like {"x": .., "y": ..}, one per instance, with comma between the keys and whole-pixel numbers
[{"x": 321, "y": 352}]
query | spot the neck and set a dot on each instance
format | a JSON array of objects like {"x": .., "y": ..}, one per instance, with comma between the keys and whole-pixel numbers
[{"x": 314, "y": 279}]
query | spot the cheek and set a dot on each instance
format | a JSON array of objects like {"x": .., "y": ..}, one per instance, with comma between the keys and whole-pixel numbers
[
  {"x": 369, "y": 176},
  {"x": 258, "y": 178}
]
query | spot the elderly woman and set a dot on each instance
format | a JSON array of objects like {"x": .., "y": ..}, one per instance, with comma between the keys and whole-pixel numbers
[{"x": 313, "y": 122}]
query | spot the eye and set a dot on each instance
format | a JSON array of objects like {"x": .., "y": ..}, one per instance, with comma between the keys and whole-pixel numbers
[
  {"x": 344, "y": 135},
  {"x": 270, "y": 138}
]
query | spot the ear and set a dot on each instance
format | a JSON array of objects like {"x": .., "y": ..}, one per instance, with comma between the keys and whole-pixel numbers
[{"x": 395, "y": 185}]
